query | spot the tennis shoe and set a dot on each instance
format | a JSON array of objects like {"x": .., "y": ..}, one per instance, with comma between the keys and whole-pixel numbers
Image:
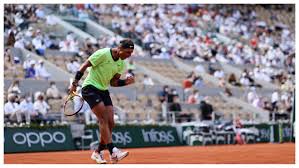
[
  {"x": 118, "y": 155},
  {"x": 98, "y": 157}
]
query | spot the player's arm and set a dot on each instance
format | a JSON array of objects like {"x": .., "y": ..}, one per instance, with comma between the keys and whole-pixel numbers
[
  {"x": 117, "y": 82},
  {"x": 79, "y": 75}
]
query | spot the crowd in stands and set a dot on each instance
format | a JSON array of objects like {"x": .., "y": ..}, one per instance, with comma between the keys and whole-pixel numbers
[
  {"x": 39, "y": 107},
  {"x": 201, "y": 33},
  {"x": 269, "y": 48},
  {"x": 279, "y": 102},
  {"x": 24, "y": 108}
]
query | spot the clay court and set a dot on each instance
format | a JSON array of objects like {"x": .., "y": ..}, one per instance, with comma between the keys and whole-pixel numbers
[{"x": 224, "y": 154}]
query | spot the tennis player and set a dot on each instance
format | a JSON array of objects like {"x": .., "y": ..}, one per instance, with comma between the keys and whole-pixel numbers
[{"x": 107, "y": 65}]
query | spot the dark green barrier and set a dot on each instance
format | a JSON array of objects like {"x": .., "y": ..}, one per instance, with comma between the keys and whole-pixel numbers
[
  {"x": 264, "y": 132},
  {"x": 228, "y": 136},
  {"x": 37, "y": 139},
  {"x": 141, "y": 136},
  {"x": 282, "y": 132}
]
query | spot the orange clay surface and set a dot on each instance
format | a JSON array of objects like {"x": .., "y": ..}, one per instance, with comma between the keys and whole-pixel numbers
[{"x": 224, "y": 154}]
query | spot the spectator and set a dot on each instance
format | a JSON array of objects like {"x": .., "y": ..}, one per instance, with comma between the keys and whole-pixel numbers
[
  {"x": 251, "y": 95},
  {"x": 53, "y": 92},
  {"x": 233, "y": 80},
  {"x": 267, "y": 105},
  {"x": 173, "y": 93},
  {"x": 20, "y": 42},
  {"x": 163, "y": 95},
  {"x": 176, "y": 110},
  {"x": 40, "y": 13},
  {"x": 26, "y": 108},
  {"x": 64, "y": 46},
  {"x": 163, "y": 98},
  {"x": 70, "y": 36},
  {"x": 41, "y": 72},
  {"x": 30, "y": 72},
  {"x": 30, "y": 32},
  {"x": 187, "y": 84},
  {"x": 11, "y": 39},
  {"x": 14, "y": 88},
  {"x": 219, "y": 74},
  {"x": 11, "y": 109},
  {"x": 198, "y": 82},
  {"x": 194, "y": 97},
  {"x": 206, "y": 110},
  {"x": 73, "y": 66},
  {"x": 288, "y": 84},
  {"x": 200, "y": 69},
  {"x": 257, "y": 102},
  {"x": 39, "y": 43},
  {"x": 41, "y": 107},
  {"x": 244, "y": 80},
  {"x": 27, "y": 63},
  {"x": 274, "y": 100},
  {"x": 147, "y": 81},
  {"x": 74, "y": 45}
]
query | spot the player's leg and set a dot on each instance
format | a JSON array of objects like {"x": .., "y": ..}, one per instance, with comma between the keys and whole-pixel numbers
[
  {"x": 100, "y": 111},
  {"x": 115, "y": 153},
  {"x": 111, "y": 117},
  {"x": 92, "y": 97}
]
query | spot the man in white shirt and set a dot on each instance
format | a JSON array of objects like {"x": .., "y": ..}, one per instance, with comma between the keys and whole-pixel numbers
[
  {"x": 274, "y": 100},
  {"x": 148, "y": 81},
  {"x": 200, "y": 69},
  {"x": 26, "y": 108},
  {"x": 53, "y": 92},
  {"x": 19, "y": 42},
  {"x": 11, "y": 110},
  {"x": 219, "y": 74},
  {"x": 27, "y": 63},
  {"x": 41, "y": 107},
  {"x": 29, "y": 32},
  {"x": 41, "y": 71},
  {"x": 73, "y": 66},
  {"x": 40, "y": 13},
  {"x": 252, "y": 95}
]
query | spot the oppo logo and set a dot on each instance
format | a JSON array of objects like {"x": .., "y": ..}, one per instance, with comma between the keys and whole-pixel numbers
[
  {"x": 41, "y": 138},
  {"x": 157, "y": 136}
]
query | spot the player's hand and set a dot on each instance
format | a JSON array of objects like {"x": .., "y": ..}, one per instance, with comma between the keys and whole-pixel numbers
[
  {"x": 72, "y": 89},
  {"x": 130, "y": 79}
]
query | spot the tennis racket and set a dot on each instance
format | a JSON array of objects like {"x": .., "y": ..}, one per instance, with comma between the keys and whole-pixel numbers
[{"x": 73, "y": 104}]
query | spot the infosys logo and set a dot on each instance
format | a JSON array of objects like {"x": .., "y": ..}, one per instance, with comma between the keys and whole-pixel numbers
[
  {"x": 120, "y": 137},
  {"x": 157, "y": 136},
  {"x": 42, "y": 138}
]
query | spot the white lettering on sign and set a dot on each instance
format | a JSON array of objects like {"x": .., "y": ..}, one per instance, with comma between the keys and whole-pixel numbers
[
  {"x": 41, "y": 138},
  {"x": 157, "y": 136}
]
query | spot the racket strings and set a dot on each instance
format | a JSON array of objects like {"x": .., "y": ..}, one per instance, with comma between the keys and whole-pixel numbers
[{"x": 73, "y": 104}]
